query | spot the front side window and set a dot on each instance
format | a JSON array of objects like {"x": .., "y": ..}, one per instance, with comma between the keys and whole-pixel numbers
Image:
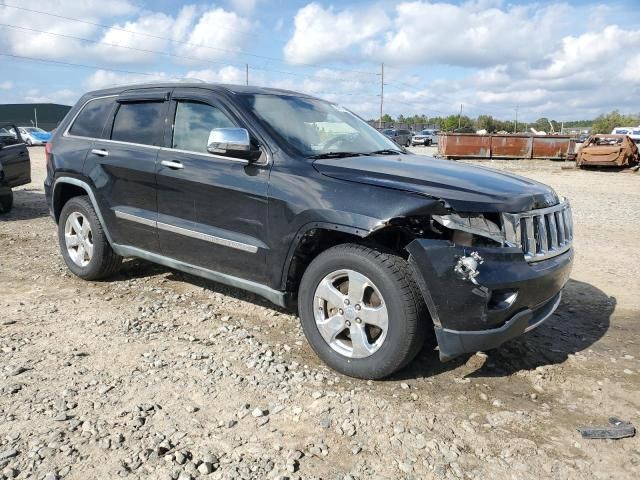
[
  {"x": 315, "y": 127},
  {"x": 139, "y": 122},
  {"x": 193, "y": 123},
  {"x": 91, "y": 120}
]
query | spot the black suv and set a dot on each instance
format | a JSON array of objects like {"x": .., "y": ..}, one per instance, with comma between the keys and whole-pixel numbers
[
  {"x": 15, "y": 164},
  {"x": 302, "y": 202}
]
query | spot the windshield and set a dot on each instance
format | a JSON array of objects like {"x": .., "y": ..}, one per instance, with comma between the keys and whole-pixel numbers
[
  {"x": 34, "y": 130},
  {"x": 315, "y": 127}
]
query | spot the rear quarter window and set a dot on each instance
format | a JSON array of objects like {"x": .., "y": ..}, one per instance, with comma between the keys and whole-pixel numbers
[
  {"x": 91, "y": 120},
  {"x": 139, "y": 122}
]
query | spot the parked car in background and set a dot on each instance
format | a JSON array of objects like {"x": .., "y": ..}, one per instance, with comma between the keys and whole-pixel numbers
[
  {"x": 34, "y": 135},
  {"x": 15, "y": 165},
  {"x": 582, "y": 138},
  {"x": 608, "y": 151},
  {"x": 632, "y": 132},
  {"x": 426, "y": 138},
  {"x": 302, "y": 202},
  {"x": 400, "y": 136}
]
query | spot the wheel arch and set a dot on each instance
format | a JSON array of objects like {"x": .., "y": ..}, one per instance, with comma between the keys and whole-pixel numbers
[
  {"x": 66, "y": 188},
  {"x": 316, "y": 237}
]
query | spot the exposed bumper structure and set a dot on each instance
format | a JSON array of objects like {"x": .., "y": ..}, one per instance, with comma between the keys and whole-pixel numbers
[{"x": 507, "y": 297}]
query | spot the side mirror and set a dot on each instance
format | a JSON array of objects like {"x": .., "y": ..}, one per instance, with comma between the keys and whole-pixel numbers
[{"x": 231, "y": 142}]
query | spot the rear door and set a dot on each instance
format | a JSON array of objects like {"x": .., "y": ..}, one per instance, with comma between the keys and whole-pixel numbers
[
  {"x": 14, "y": 157},
  {"x": 212, "y": 210},
  {"x": 122, "y": 166}
]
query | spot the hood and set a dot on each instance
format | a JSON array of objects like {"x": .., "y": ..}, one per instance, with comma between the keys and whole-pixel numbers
[{"x": 464, "y": 187}]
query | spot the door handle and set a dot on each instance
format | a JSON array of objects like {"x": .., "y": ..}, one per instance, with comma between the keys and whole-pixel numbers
[
  {"x": 100, "y": 152},
  {"x": 171, "y": 164}
]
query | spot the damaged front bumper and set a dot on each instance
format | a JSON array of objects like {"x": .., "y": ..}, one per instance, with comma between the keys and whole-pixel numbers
[{"x": 505, "y": 297}]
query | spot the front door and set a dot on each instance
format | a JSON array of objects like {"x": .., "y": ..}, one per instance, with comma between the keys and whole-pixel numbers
[
  {"x": 212, "y": 210},
  {"x": 122, "y": 167}
]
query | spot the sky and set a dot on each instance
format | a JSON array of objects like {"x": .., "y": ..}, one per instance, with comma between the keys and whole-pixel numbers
[{"x": 562, "y": 60}]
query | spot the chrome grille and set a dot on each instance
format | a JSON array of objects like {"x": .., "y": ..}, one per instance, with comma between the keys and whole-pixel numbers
[{"x": 542, "y": 233}]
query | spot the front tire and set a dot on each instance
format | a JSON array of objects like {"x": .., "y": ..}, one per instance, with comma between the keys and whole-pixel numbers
[
  {"x": 83, "y": 243},
  {"x": 6, "y": 200},
  {"x": 361, "y": 311}
]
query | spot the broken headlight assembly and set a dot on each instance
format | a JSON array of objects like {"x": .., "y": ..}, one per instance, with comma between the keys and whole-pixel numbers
[{"x": 473, "y": 229}]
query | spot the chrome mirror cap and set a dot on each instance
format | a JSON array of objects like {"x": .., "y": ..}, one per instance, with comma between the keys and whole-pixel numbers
[{"x": 229, "y": 141}]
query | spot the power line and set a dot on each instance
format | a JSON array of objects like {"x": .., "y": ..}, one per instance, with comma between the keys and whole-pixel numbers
[
  {"x": 235, "y": 52},
  {"x": 132, "y": 72},
  {"x": 81, "y": 65},
  {"x": 143, "y": 50}
]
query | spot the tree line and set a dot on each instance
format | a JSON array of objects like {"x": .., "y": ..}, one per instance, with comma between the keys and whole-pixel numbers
[{"x": 604, "y": 123}]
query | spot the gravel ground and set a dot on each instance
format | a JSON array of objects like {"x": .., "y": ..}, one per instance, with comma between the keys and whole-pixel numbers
[{"x": 158, "y": 374}]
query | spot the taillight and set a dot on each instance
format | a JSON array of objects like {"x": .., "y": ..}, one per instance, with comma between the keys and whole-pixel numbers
[{"x": 47, "y": 153}]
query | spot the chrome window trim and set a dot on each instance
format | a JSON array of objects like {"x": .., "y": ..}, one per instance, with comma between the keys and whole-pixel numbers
[
  {"x": 167, "y": 149},
  {"x": 73, "y": 120},
  {"x": 209, "y": 155}
]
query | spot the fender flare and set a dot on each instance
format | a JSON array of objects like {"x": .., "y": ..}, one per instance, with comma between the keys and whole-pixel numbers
[{"x": 87, "y": 188}]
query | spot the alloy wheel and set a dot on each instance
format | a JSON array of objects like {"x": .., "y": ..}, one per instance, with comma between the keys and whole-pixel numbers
[
  {"x": 350, "y": 313},
  {"x": 78, "y": 239}
]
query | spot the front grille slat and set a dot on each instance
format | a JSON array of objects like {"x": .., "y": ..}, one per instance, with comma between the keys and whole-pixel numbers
[
  {"x": 553, "y": 230},
  {"x": 542, "y": 239},
  {"x": 541, "y": 234},
  {"x": 560, "y": 222},
  {"x": 531, "y": 237}
]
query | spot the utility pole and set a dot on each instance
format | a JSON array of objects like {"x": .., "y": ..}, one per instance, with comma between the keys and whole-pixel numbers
[
  {"x": 35, "y": 114},
  {"x": 460, "y": 116},
  {"x": 247, "y": 73},
  {"x": 515, "y": 127},
  {"x": 381, "y": 92}
]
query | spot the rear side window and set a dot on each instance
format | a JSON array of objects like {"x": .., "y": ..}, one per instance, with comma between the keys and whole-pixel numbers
[
  {"x": 91, "y": 120},
  {"x": 139, "y": 122},
  {"x": 193, "y": 123}
]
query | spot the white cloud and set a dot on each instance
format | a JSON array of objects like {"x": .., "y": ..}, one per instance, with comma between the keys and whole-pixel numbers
[
  {"x": 63, "y": 96},
  {"x": 244, "y": 6},
  {"x": 325, "y": 35},
  {"x": 227, "y": 74},
  {"x": 221, "y": 30},
  {"x": 471, "y": 34},
  {"x": 216, "y": 34},
  {"x": 6, "y": 85},
  {"x": 104, "y": 79},
  {"x": 154, "y": 22}
]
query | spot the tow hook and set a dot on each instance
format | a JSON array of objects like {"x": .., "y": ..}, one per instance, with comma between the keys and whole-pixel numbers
[{"x": 467, "y": 267}]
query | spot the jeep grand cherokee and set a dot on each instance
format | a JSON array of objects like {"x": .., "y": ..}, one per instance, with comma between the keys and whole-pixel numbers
[{"x": 300, "y": 201}]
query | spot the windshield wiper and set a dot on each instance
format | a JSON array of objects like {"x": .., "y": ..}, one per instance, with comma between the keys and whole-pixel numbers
[
  {"x": 336, "y": 155},
  {"x": 385, "y": 151}
]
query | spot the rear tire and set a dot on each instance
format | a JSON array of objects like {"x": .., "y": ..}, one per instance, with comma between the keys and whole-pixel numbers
[
  {"x": 358, "y": 342},
  {"x": 83, "y": 243},
  {"x": 6, "y": 200}
]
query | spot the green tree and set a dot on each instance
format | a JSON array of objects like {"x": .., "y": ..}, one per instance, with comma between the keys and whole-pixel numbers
[
  {"x": 387, "y": 118},
  {"x": 607, "y": 122}
]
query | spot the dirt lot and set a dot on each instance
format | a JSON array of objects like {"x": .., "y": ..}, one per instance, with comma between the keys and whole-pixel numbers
[{"x": 158, "y": 374}]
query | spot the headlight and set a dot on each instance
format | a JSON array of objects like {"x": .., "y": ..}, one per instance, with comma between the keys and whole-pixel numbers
[{"x": 472, "y": 224}]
